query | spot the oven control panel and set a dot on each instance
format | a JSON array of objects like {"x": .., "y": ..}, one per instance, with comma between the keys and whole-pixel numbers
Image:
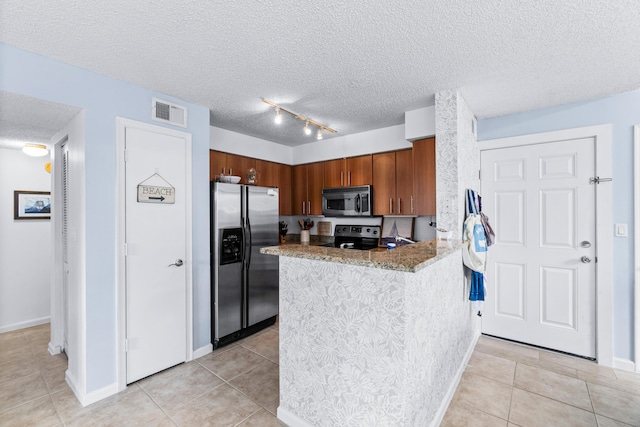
[{"x": 371, "y": 231}]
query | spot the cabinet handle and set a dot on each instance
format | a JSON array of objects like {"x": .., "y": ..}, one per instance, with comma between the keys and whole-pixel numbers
[
  {"x": 303, "y": 212},
  {"x": 309, "y": 210},
  {"x": 349, "y": 177},
  {"x": 390, "y": 205},
  {"x": 411, "y": 204},
  {"x": 341, "y": 178},
  {"x": 223, "y": 171},
  {"x": 399, "y": 205},
  {"x": 230, "y": 171}
]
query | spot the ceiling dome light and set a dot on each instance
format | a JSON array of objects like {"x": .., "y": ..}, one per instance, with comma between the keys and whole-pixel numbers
[
  {"x": 307, "y": 131},
  {"x": 319, "y": 133},
  {"x": 35, "y": 150},
  {"x": 278, "y": 119}
]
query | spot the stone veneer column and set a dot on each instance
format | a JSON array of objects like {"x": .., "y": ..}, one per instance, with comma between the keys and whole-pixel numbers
[{"x": 457, "y": 159}]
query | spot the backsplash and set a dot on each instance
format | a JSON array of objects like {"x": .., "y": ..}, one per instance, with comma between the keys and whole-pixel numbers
[{"x": 421, "y": 229}]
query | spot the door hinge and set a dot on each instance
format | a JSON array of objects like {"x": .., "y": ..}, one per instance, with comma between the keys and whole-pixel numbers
[
  {"x": 126, "y": 345},
  {"x": 598, "y": 180},
  {"x": 126, "y": 250}
]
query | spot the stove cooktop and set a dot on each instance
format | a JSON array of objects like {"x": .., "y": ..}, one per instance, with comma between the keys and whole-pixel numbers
[{"x": 362, "y": 237}]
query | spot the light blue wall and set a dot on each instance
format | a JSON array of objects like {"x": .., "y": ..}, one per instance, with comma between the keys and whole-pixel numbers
[
  {"x": 103, "y": 99},
  {"x": 623, "y": 112}
]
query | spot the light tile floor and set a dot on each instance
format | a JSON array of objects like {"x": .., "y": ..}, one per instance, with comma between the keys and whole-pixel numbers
[
  {"x": 504, "y": 384},
  {"x": 507, "y": 384}
]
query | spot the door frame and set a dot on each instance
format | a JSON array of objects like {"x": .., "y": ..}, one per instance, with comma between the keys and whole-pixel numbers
[
  {"x": 121, "y": 125},
  {"x": 604, "y": 221},
  {"x": 636, "y": 245}
]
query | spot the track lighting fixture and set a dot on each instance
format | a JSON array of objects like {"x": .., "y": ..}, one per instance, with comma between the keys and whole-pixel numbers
[{"x": 307, "y": 120}]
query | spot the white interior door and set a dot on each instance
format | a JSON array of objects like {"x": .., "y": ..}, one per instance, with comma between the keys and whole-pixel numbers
[
  {"x": 155, "y": 234},
  {"x": 541, "y": 271}
]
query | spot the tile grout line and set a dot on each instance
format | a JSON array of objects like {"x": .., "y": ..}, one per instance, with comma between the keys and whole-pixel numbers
[
  {"x": 227, "y": 382},
  {"x": 158, "y": 404}
]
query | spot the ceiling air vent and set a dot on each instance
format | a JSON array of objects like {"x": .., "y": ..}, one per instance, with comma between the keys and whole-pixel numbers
[{"x": 167, "y": 112}]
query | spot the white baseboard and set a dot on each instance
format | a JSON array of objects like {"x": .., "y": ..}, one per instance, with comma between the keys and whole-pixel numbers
[
  {"x": 25, "y": 324},
  {"x": 444, "y": 405},
  {"x": 93, "y": 397},
  {"x": 624, "y": 364},
  {"x": 54, "y": 349},
  {"x": 203, "y": 351},
  {"x": 290, "y": 419}
]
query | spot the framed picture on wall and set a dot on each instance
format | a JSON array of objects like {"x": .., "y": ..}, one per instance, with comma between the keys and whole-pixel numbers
[
  {"x": 31, "y": 204},
  {"x": 393, "y": 226}
]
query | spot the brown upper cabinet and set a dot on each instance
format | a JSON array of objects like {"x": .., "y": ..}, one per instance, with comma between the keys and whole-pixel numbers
[
  {"x": 229, "y": 164},
  {"x": 393, "y": 183},
  {"x": 424, "y": 176},
  {"x": 307, "y": 182},
  {"x": 283, "y": 182},
  {"x": 348, "y": 172},
  {"x": 267, "y": 173}
]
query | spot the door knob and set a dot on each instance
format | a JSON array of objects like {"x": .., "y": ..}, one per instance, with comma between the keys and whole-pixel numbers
[
  {"x": 585, "y": 259},
  {"x": 178, "y": 263},
  {"x": 585, "y": 244}
]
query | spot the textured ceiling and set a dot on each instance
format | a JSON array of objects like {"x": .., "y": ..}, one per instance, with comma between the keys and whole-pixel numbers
[
  {"x": 352, "y": 65},
  {"x": 25, "y": 119}
]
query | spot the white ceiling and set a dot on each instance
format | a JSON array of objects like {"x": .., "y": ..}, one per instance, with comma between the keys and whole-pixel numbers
[
  {"x": 25, "y": 119},
  {"x": 351, "y": 65}
]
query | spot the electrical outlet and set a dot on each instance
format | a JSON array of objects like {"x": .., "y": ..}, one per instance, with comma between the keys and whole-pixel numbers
[{"x": 621, "y": 230}]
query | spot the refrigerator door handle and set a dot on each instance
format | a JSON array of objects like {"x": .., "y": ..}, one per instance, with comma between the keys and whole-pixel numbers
[{"x": 250, "y": 245}]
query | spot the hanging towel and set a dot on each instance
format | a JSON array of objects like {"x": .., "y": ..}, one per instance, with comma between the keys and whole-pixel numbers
[
  {"x": 488, "y": 231},
  {"x": 476, "y": 292}
]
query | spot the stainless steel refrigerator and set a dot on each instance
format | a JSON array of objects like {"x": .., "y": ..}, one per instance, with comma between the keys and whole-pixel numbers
[{"x": 244, "y": 282}]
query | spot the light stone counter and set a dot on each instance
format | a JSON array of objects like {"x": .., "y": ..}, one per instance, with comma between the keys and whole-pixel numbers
[
  {"x": 371, "y": 338},
  {"x": 408, "y": 258}
]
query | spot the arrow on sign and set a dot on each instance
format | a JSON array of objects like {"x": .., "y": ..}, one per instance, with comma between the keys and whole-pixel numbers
[{"x": 161, "y": 198}]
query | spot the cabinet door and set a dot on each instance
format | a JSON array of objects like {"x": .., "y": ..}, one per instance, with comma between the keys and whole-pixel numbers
[
  {"x": 283, "y": 182},
  {"x": 315, "y": 183},
  {"x": 424, "y": 176},
  {"x": 359, "y": 170},
  {"x": 217, "y": 164},
  {"x": 384, "y": 183},
  {"x": 334, "y": 173},
  {"x": 299, "y": 190},
  {"x": 266, "y": 172},
  {"x": 404, "y": 182},
  {"x": 239, "y": 166}
]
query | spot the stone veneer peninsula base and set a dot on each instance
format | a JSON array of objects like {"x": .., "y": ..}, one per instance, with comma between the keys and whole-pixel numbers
[{"x": 368, "y": 344}]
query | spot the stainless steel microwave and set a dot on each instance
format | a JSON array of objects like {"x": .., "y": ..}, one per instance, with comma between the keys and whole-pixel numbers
[{"x": 347, "y": 201}]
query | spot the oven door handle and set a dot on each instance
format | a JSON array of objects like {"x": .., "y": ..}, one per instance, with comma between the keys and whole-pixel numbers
[{"x": 358, "y": 208}]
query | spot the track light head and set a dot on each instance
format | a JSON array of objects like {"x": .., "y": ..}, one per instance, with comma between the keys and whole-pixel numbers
[
  {"x": 319, "y": 133},
  {"x": 278, "y": 118},
  {"x": 307, "y": 131}
]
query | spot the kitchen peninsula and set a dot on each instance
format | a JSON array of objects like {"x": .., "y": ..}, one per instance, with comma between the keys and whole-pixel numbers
[{"x": 375, "y": 337}]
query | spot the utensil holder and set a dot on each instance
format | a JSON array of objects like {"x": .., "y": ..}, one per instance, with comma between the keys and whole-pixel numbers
[{"x": 304, "y": 236}]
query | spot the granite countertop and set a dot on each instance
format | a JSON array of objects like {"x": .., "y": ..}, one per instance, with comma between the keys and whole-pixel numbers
[{"x": 408, "y": 258}]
